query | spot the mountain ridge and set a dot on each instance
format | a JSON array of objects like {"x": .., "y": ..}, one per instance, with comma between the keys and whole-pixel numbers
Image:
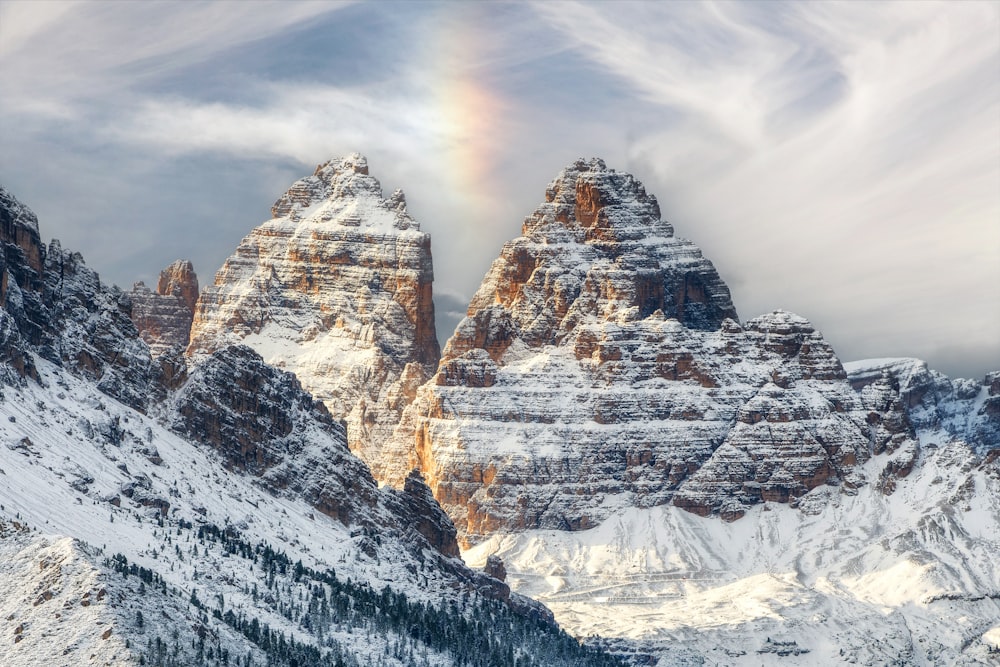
[
  {"x": 222, "y": 479},
  {"x": 591, "y": 420}
]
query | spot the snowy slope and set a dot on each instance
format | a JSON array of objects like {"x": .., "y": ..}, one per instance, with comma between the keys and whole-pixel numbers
[
  {"x": 912, "y": 578},
  {"x": 54, "y": 591},
  {"x": 77, "y": 464}
]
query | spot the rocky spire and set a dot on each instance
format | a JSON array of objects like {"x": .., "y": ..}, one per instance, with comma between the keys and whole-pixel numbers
[
  {"x": 337, "y": 289},
  {"x": 164, "y": 317}
]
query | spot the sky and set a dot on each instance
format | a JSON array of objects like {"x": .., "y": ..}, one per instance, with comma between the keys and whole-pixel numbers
[{"x": 838, "y": 160}]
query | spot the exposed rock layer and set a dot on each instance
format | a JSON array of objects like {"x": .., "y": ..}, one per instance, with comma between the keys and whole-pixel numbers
[
  {"x": 336, "y": 288},
  {"x": 601, "y": 365},
  {"x": 961, "y": 409},
  {"x": 262, "y": 423},
  {"x": 163, "y": 317}
]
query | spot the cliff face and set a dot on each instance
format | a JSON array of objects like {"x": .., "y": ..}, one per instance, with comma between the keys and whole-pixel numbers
[
  {"x": 164, "y": 317},
  {"x": 262, "y": 423},
  {"x": 961, "y": 409},
  {"x": 601, "y": 365},
  {"x": 57, "y": 307},
  {"x": 337, "y": 289}
]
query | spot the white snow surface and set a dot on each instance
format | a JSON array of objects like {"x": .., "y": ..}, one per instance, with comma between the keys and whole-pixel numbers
[
  {"x": 912, "y": 578},
  {"x": 58, "y": 471}
]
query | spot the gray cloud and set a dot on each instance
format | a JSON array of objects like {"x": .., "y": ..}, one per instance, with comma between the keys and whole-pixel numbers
[{"x": 839, "y": 160}]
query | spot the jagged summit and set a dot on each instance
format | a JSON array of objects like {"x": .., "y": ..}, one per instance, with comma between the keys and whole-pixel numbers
[
  {"x": 342, "y": 192},
  {"x": 20, "y": 228},
  {"x": 594, "y": 203},
  {"x": 595, "y": 250},
  {"x": 180, "y": 279},
  {"x": 337, "y": 289}
]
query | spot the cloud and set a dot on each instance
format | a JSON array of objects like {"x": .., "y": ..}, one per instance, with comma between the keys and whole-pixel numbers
[
  {"x": 56, "y": 53},
  {"x": 843, "y": 158}
]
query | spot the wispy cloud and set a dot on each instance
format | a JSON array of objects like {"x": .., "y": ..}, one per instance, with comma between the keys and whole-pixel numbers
[
  {"x": 55, "y": 53},
  {"x": 843, "y": 158}
]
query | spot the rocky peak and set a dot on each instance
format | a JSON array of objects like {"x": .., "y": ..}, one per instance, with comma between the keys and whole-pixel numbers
[
  {"x": 19, "y": 229},
  {"x": 596, "y": 204},
  {"x": 336, "y": 288},
  {"x": 179, "y": 279},
  {"x": 595, "y": 250},
  {"x": 794, "y": 338},
  {"x": 343, "y": 191},
  {"x": 164, "y": 317},
  {"x": 602, "y": 366}
]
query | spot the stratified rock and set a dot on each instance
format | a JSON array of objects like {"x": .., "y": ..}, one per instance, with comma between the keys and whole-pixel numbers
[
  {"x": 179, "y": 279},
  {"x": 432, "y": 523},
  {"x": 601, "y": 366},
  {"x": 262, "y": 423},
  {"x": 164, "y": 317},
  {"x": 24, "y": 317},
  {"x": 94, "y": 333},
  {"x": 19, "y": 234},
  {"x": 337, "y": 289}
]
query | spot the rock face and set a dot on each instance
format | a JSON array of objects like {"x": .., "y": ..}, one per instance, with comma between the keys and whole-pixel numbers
[
  {"x": 164, "y": 317},
  {"x": 337, "y": 289},
  {"x": 21, "y": 270},
  {"x": 56, "y": 306},
  {"x": 601, "y": 365},
  {"x": 262, "y": 423},
  {"x": 257, "y": 418},
  {"x": 961, "y": 409}
]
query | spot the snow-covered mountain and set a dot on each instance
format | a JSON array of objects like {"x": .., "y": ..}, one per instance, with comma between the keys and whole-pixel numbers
[
  {"x": 602, "y": 367},
  {"x": 337, "y": 289},
  {"x": 211, "y": 514},
  {"x": 602, "y": 434},
  {"x": 584, "y": 425}
]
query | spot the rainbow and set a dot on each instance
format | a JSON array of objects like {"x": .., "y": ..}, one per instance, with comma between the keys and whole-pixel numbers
[{"x": 469, "y": 112}]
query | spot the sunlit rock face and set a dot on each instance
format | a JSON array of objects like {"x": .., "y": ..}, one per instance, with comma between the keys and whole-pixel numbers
[
  {"x": 602, "y": 365},
  {"x": 163, "y": 317},
  {"x": 336, "y": 288}
]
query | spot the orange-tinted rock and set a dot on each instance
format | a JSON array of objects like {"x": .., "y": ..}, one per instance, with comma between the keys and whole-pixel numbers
[
  {"x": 164, "y": 317},
  {"x": 336, "y": 288},
  {"x": 601, "y": 366}
]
